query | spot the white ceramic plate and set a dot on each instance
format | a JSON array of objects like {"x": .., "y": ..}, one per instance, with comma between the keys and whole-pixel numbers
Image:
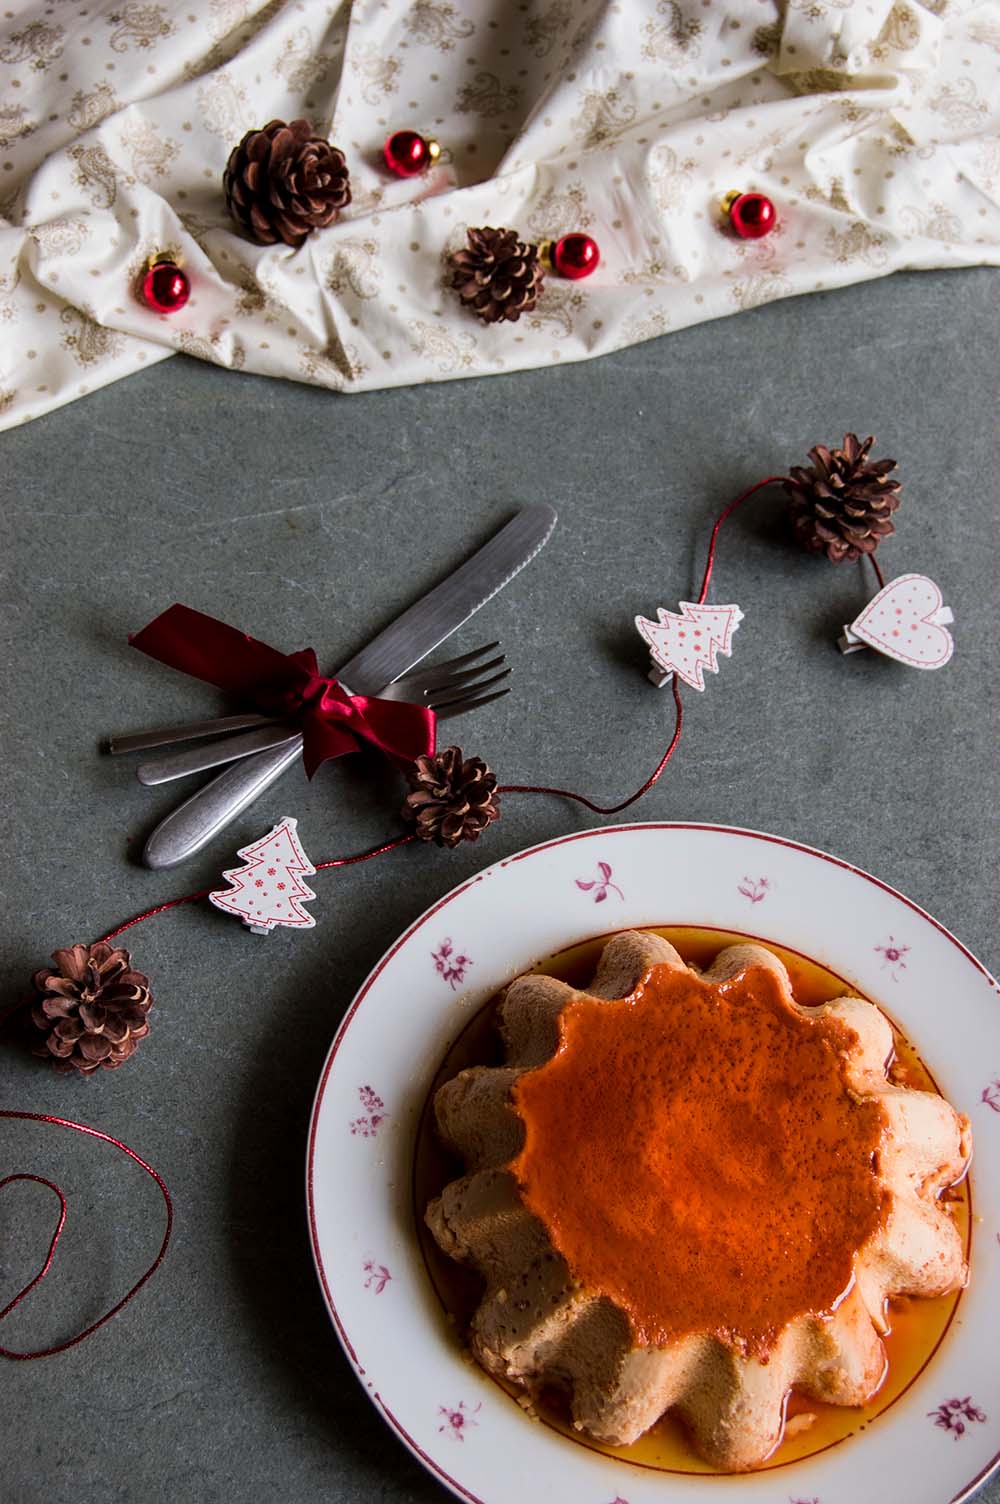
[{"x": 464, "y": 1428}]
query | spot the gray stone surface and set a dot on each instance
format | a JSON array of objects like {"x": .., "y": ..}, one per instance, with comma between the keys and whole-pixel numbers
[{"x": 309, "y": 518}]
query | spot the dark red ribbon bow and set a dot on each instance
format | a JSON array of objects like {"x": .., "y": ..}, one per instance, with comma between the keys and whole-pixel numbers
[{"x": 287, "y": 684}]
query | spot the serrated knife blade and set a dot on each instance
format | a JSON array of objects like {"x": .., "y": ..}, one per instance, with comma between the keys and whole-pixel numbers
[
  {"x": 394, "y": 651},
  {"x": 426, "y": 624}
]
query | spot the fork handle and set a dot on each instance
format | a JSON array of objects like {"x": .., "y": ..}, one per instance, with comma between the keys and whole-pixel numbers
[
  {"x": 169, "y": 736},
  {"x": 229, "y": 749},
  {"x": 210, "y": 809}
]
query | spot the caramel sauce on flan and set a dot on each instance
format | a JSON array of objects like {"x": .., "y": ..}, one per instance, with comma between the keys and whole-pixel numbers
[
  {"x": 917, "y": 1327},
  {"x": 695, "y": 1154}
]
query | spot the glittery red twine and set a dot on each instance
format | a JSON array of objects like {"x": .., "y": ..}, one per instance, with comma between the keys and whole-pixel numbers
[
  {"x": 614, "y": 809},
  {"x": 61, "y": 1347},
  {"x": 343, "y": 861}
]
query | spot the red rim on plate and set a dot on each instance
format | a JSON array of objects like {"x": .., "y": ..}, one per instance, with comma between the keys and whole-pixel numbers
[{"x": 724, "y": 847}]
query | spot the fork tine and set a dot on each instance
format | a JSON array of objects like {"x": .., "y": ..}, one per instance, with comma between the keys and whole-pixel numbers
[
  {"x": 461, "y": 706},
  {"x": 445, "y": 682},
  {"x": 420, "y": 678},
  {"x": 462, "y": 696}
]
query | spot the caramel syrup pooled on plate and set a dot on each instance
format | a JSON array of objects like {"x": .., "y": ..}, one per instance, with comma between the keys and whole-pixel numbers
[{"x": 917, "y": 1325}]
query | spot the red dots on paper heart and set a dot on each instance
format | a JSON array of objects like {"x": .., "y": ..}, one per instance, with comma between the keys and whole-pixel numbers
[
  {"x": 751, "y": 215},
  {"x": 407, "y": 153},
  {"x": 576, "y": 256},
  {"x": 165, "y": 287}
]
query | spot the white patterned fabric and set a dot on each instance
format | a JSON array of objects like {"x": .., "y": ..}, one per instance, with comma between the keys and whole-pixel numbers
[{"x": 874, "y": 127}]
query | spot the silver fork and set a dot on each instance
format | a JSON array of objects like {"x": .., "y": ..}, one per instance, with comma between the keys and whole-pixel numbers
[{"x": 449, "y": 688}]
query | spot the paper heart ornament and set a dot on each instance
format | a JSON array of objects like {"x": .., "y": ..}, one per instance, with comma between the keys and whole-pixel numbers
[
  {"x": 688, "y": 644},
  {"x": 905, "y": 621}
]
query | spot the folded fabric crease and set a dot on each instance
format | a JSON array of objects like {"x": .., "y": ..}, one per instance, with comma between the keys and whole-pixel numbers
[{"x": 874, "y": 128}]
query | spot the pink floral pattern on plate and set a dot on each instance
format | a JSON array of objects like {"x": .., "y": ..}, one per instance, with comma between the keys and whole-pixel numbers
[
  {"x": 457, "y": 1422},
  {"x": 603, "y": 884},
  {"x": 374, "y": 1115},
  {"x": 893, "y": 955},
  {"x": 377, "y": 1278},
  {"x": 754, "y": 888},
  {"x": 991, "y": 1095},
  {"x": 953, "y": 1414},
  {"x": 449, "y": 965}
]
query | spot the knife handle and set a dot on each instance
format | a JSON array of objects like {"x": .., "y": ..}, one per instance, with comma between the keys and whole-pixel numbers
[
  {"x": 229, "y": 749},
  {"x": 195, "y": 822},
  {"x": 169, "y": 736}
]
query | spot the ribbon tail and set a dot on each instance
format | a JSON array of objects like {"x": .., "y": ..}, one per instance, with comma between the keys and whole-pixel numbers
[
  {"x": 323, "y": 739},
  {"x": 219, "y": 654}
]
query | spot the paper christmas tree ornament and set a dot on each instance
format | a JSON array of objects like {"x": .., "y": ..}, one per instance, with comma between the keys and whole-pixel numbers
[
  {"x": 688, "y": 644},
  {"x": 905, "y": 621},
  {"x": 268, "y": 891}
]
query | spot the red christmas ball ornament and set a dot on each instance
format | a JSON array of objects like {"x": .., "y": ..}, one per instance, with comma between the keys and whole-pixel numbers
[
  {"x": 165, "y": 287},
  {"x": 576, "y": 256},
  {"x": 407, "y": 153},
  {"x": 572, "y": 256},
  {"x": 750, "y": 214}
]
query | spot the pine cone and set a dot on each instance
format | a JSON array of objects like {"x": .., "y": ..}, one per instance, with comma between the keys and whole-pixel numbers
[
  {"x": 841, "y": 505},
  {"x": 498, "y": 276},
  {"x": 282, "y": 182},
  {"x": 451, "y": 799},
  {"x": 91, "y": 1006}
]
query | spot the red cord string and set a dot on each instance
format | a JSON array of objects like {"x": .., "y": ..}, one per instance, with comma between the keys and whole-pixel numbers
[
  {"x": 614, "y": 809},
  {"x": 37, "y": 1117},
  {"x": 160, "y": 908},
  {"x": 344, "y": 861},
  {"x": 609, "y": 809},
  {"x": 43, "y": 1271},
  {"x": 364, "y": 856},
  {"x": 175, "y": 903},
  {"x": 772, "y": 480},
  {"x": 509, "y": 788},
  {"x": 61, "y": 1347}
]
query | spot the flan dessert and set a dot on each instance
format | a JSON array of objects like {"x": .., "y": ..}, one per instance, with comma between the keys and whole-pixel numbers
[{"x": 686, "y": 1192}]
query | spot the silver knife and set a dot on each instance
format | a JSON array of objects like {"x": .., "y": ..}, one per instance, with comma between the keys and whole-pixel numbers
[
  {"x": 216, "y": 754},
  {"x": 394, "y": 651}
]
